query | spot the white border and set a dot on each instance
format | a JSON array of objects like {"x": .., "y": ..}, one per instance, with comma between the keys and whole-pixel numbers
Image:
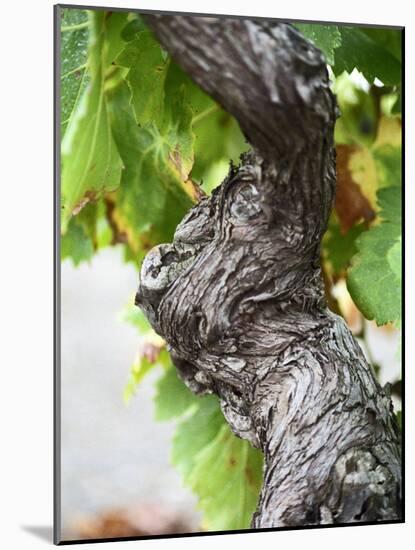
[{"x": 26, "y": 230}]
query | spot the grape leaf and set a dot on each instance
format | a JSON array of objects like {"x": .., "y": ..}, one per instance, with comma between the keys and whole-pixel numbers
[
  {"x": 76, "y": 244},
  {"x": 135, "y": 316},
  {"x": 195, "y": 433},
  {"x": 359, "y": 50},
  {"x": 137, "y": 372},
  {"x": 152, "y": 76},
  {"x": 150, "y": 356},
  {"x": 73, "y": 57},
  {"x": 388, "y": 161},
  {"x": 224, "y": 471},
  {"x": 374, "y": 280},
  {"x": 152, "y": 125},
  {"x": 341, "y": 247},
  {"x": 172, "y": 397},
  {"x": 209, "y": 152},
  {"x": 380, "y": 165},
  {"x": 390, "y": 39},
  {"x": 133, "y": 27},
  {"x": 227, "y": 478},
  {"x": 397, "y": 108},
  {"x": 91, "y": 164},
  {"x": 147, "y": 66},
  {"x": 152, "y": 352},
  {"x": 209, "y": 119},
  {"x": 326, "y": 37},
  {"x": 395, "y": 259},
  {"x": 358, "y": 123},
  {"x": 152, "y": 197}
]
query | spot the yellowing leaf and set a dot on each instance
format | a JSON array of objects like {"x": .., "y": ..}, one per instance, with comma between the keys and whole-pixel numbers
[{"x": 380, "y": 165}]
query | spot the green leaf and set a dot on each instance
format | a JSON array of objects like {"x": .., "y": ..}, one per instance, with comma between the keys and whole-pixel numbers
[
  {"x": 379, "y": 165},
  {"x": 151, "y": 356},
  {"x": 395, "y": 259},
  {"x": 172, "y": 397},
  {"x": 390, "y": 204},
  {"x": 219, "y": 140},
  {"x": 147, "y": 66},
  {"x": 339, "y": 247},
  {"x": 91, "y": 164},
  {"x": 134, "y": 316},
  {"x": 138, "y": 371},
  {"x": 227, "y": 478},
  {"x": 217, "y": 136},
  {"x": 326, "y": 37},
  {"x": 397, "y": 108},
  {"x": 104, "y": 234},
  {"x": 374, "y": 280},
  {"x": 152, "y": 198},
  {"x": 76, "y": 244},
  {"x": 224, "y": 471},
  {"x": 389, "y": 39},
  {"x": 358, "y": 123},
  {"x": 388, "y": 161},
  {"x": 73, "y": 57},
  {"x": 132, "y": 28},
  {"x": 195, "y": 433},
  {"x": 359, "y": 50}
]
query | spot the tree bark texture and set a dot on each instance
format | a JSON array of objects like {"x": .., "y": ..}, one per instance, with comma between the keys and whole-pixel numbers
[{"x": 239, "y": 297}]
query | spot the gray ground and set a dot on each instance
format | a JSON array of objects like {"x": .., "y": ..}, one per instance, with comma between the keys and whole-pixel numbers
[{"x": 115, "y": 455}]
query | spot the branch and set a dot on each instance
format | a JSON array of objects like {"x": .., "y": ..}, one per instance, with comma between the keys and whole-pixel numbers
[{"x": 265, "y": 74}]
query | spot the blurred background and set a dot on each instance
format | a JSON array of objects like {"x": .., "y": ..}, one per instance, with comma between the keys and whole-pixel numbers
[{"x": 116, "y": 473}]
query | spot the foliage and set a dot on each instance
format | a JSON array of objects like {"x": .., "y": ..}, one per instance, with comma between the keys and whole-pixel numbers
[
  {"x": 224, "y": 471},
  {"x": 74, "y": 74},
  {"x": 375, "y": 276},
  {"x": 325, "y": 37},
  {"x": 91, "y": 163},
  {"x": 370, "y": 54},
  {"x": 140, "y": 144}
]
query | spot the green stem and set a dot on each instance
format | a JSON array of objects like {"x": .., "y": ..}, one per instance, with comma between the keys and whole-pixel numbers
[
  {"x": 70, "y": 28},
  {"x": 205, "y": 113},
  {"x": 74, "y": 70}
]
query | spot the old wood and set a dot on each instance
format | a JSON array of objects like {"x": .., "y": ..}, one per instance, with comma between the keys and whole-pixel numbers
[{"x": 239, "y": 296}]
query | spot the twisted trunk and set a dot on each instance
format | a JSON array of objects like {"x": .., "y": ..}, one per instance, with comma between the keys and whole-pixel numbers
[{"x": 239, "y": 297}]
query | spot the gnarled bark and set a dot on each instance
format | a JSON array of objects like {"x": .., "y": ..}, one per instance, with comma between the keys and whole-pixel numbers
[{"x": 239, "y": 296}]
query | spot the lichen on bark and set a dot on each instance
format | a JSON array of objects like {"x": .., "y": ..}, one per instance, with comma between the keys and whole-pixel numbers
[{"x": 239, "y": 297}]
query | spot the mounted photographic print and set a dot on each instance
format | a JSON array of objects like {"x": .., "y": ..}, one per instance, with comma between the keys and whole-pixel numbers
[{"x": 228, "y": 274}]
